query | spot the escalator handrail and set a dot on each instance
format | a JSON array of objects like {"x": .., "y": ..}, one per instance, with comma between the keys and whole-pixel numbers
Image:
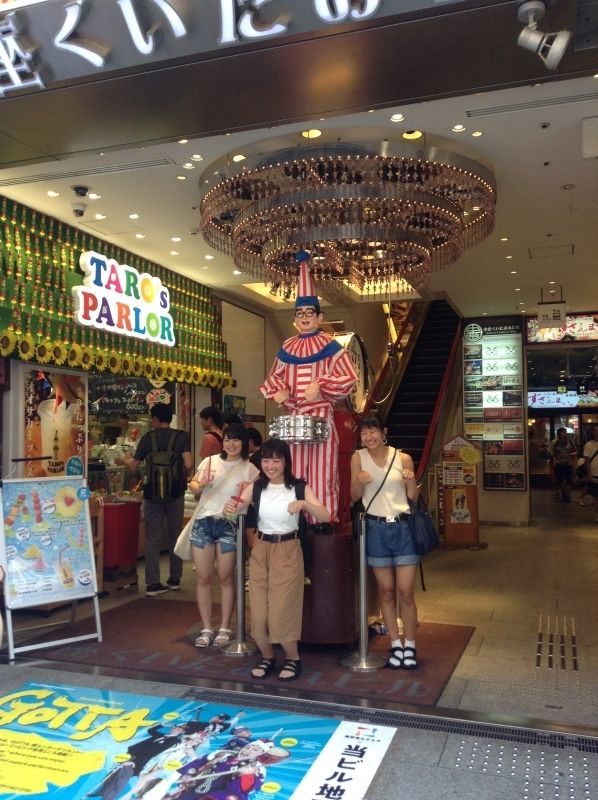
[{"x": 438, "y": 406}]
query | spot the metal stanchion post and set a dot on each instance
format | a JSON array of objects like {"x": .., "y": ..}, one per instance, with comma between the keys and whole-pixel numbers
[
  {"x": 239, "y": 646},
  {"x": 362, "y": 660}
]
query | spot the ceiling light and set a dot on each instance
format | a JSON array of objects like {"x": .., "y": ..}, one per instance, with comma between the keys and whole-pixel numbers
[
  {"x": 567, "y": 187},
  {"x": 183, "y": 141},
  {"x": 477, "y": 133},
  {"x": 369, "y": 221},
  {"x": 239, "y": 157},
  {"x": 508, "y": 257},
  {"x": 397, "y": 118},
  {"x": 412, "y": 135},
  {"x": 237, "y": 272},
  {"x": 513, "y": 272},
  {"x": 100, "y": 216},
  {"x": 549, "y": 46},
  {"x": 517, "y": 290},
  {"x": 551, "y": 283},
  {"x": 504, "y": 238},
  {"x": 175, "y": 239},
  {"x": 174, "y": 252},
  {"x": 188, "y": 165},
  {"x": 458, "y": 128},
  {"x": 133, "y": 216},
  {"x": 196, "y": 157},
  {"x": 181, "y": 177},
  {"x": 312, "y": 133},
  {"x": 209, "y": 257},
  {"x": 52, "y": 193},
  {"x": 522, "y": 303},
  {"x": 371, "y": 110},
  {"x": 94, "y": 196},
  {"x": 140, "y": 235}
]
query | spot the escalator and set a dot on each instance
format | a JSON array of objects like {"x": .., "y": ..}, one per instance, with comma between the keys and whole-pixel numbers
[{"x": 413, "y": 409}]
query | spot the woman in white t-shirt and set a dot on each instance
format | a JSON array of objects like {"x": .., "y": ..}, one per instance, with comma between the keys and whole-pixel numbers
[
  {"x": 214, "y": 532},
  {"x": 276, "y": 571}
]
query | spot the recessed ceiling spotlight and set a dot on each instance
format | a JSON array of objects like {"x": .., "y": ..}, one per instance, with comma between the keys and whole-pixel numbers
[
  {"x": 312, "y": 133},
  {"x": 188, "y": 165},
  {"x": 100, "y": 216},
  {"x": 94, "y": 196},
  {"x": 517, "y": 290},
  {"x": 412, "y": 135},
  {"x": 484, "y": 313},
  {"x": 477, "y": 133},
  {"x": 174, "y": 252},
  {"x": 140, "y": 235},
  {"x": 183, "y": 141},
  {"x": 523, "y": 310},
  {"x": 209, "y": 257},
  {"x": 508, "y": 257},
  {"x": 52, "y": 193},
  {"x": 458, "y": 128},
  {"x": 205, "y": 266},
  {"x": 504, "y": 238},
  {"x": 513, "y": 272},
  {"x": 175, "y": 239},
  {"x": 568, "y": 186},
  {"x": 196, "y": 157},
  {"x": 522, "y": 303},
  {"x": 237, "y": 272},
  {"x": 181, "y": 177},
  {"x": 133, "y": 216},
  {"x": 397, "y": 118},
  {"x": 475, "y": 208},
  {"x": 239, "y": 157},
  {"x": 551, "y": 283},
  {"x": 552, "y": 291}
]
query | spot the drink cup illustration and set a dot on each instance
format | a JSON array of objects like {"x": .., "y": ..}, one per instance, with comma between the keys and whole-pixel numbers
[{"x": 56, "y": 422}]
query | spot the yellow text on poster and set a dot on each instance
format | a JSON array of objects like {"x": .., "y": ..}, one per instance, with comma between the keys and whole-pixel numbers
[{"x": 28, "y": 763}]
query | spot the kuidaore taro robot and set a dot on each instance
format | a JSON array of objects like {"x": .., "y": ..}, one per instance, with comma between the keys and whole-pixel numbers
[{"x": 311, "y": 373}]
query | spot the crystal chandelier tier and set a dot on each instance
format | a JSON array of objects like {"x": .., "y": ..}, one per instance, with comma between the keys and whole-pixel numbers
[{"x": 366, "y": 220}]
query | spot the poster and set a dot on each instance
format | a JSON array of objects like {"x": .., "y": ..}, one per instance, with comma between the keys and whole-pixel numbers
[
  {"x": 69, "y": 743},
  {"x": 55, "y": 423},
  {"x": 46, "y": 544},
  {"x": 493, "y": 398}
]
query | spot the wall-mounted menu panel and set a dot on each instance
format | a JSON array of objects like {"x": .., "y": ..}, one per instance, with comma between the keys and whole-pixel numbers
[{"x": 493, "y": 412}]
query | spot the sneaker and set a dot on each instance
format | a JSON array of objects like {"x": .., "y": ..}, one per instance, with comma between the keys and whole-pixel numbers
[
  {"x": 154, "y": 589},
  {"x": 174, "y": 584}
]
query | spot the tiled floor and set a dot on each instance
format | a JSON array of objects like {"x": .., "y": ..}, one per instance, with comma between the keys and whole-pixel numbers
[{"x": 531, "y": 668}]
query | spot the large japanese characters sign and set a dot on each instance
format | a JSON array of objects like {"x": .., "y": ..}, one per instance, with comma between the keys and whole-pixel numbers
[
  {"x": 117, "y": 298},
  {"x": 46, "y": 43}
]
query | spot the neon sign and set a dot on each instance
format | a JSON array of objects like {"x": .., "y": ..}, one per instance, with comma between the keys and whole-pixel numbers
[{"x": 117, "y": 298}]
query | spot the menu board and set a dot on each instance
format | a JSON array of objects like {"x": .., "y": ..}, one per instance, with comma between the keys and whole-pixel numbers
[
  {"x": 46, "y": 544},
  {"x": 126, "y": 394},
  {"x": 493, "y": 411}
]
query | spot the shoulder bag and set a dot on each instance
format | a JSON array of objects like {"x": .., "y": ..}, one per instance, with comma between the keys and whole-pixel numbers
[
  {"x": 359, "y": 511},
  {"x": 425, "y": 535}
]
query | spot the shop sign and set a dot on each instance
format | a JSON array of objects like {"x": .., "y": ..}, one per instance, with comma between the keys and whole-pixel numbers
[
  {"x": 117, "y": 298},
  {"x": 551, "y": 315},
  {"x": 60, "y": 40},
  {"x": 575, "y": 328}
]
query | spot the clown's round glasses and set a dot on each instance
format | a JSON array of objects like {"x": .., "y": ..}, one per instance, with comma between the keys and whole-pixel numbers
[{"x": 307, "y": 312}]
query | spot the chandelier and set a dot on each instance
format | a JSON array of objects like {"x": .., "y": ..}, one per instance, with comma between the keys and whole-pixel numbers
[{"x": 368, "y": 219}]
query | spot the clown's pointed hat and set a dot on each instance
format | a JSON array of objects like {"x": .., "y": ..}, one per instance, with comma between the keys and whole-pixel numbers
[{"x": 306, "y": 292}]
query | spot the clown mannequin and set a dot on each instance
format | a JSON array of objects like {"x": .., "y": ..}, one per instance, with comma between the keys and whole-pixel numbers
[{"x": 311, "y": 373}]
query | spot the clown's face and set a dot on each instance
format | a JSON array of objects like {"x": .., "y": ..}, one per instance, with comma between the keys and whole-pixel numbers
[{"x": 307, "y": 319}]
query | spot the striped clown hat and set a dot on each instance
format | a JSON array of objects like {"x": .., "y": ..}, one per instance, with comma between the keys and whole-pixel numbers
[{"x": 306, "y": 292}]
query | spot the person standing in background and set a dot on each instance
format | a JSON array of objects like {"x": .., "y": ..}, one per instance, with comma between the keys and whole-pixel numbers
[
  {"x": 211, "y": 422},
  {"x": 590, "y": 453},
  {"x": 564, "y": 453},
  {"x": 159, "y": 513}
]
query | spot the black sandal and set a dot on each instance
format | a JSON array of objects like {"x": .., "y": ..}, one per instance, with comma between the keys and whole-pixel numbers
[
  {"x": 396, "y": 658},
  {"x": 292, "y": 665},
  {"x": 265, "y": 666},
  {"x": 409, "y": 659}
]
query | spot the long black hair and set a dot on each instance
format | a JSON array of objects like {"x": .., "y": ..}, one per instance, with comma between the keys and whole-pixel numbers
[
  {"x": 236, "y": 431},
  {"x": 277, "y": 448}
]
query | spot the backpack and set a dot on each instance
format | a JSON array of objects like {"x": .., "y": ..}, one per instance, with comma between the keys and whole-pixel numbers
[{"x": 163, "y": 469}]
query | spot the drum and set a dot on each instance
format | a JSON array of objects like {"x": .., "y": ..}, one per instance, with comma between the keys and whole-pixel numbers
[
  {"x": 299, "y": 428},
  {"x": 353, "y": 344}
]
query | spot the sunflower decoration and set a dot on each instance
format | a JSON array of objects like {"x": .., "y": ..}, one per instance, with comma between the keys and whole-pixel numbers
[
  {"x": 8, "y": 341},
  {"x": 26, "y": 347},
  {"x": 100, "y": 361},
  {"x": 126, "y": 365},
  {"x": 160, "y": 372},
  {"x": 115, "y": 362},
  {"x": 74, "y": 355},
  {"x": 196, "y": 377},
  {"x": 212, "y": 380},
  {"x": 188, "y": 375},
  {"x": 59, "y": 353},
  {"x": 87, "y": 358},
  {"x": 43, "y": 352},
  {"x": 137, "y": 367},
  {"x": 148, "y": 369},
  {"x": 179, "y": 372},
  {"x": 169, "y": 372}
]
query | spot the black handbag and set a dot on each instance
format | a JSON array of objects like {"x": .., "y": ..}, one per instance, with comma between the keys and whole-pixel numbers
[{"x": 425, "y": 535}]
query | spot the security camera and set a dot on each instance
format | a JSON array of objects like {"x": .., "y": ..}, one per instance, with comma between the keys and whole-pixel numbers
[
  {"x": 80, "y": 191},
  {"x": 79, "y": 209}
]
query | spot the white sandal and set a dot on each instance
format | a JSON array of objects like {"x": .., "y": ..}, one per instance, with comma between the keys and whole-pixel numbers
[
  {"x": 223, "y": 637},
  {"x": 205, "y": 637}
]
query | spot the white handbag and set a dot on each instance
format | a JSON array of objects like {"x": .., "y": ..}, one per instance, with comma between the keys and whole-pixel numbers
[{"x": 183, "y": 547}]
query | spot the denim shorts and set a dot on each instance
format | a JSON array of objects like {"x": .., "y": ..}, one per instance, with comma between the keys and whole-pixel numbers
[
  {"x": 210, "y": 531},
  {"x": 390, "y": 544}
]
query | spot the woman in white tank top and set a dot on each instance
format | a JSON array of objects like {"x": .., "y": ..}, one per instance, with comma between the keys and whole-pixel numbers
[{"x": 384, "y": 479}]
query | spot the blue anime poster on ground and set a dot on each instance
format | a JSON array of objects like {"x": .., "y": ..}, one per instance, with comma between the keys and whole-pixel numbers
[{"x": 69, "y": 743}]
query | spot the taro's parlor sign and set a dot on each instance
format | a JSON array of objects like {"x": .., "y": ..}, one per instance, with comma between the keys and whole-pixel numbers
[{"x": 117, "y": 298}]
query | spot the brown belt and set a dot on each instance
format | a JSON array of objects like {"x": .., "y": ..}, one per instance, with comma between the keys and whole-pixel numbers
[{"x": 275, "y": 538}]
